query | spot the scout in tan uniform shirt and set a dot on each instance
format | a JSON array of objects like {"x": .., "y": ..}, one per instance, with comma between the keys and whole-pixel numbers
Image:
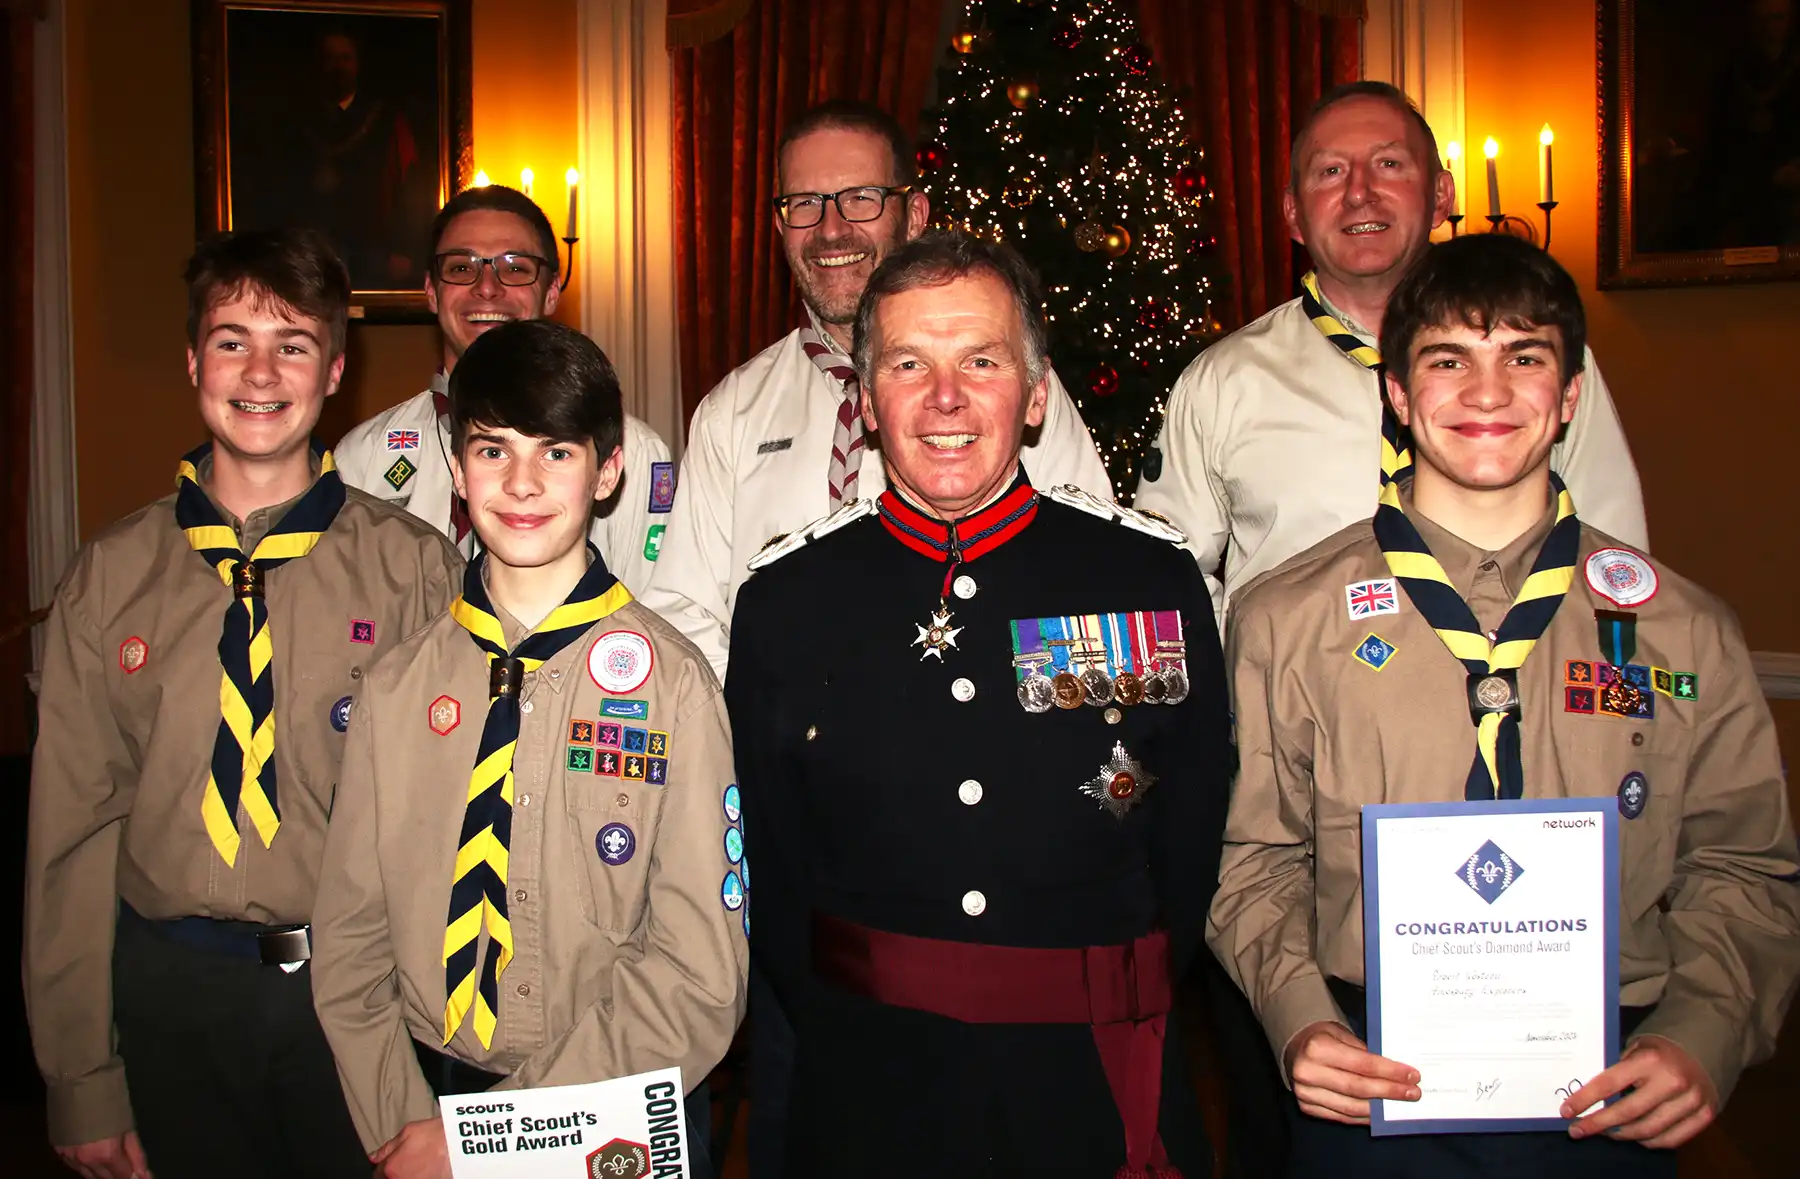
[
  {"x": 145, "y": 807},
  {"x": 1346, "y": 695},
  {"x": 600, "y": 931}
]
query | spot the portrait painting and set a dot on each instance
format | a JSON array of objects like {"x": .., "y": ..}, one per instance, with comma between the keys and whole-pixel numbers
[
  {"x": 351, "y": 118},
  {"x": 1700, "y": 141}
]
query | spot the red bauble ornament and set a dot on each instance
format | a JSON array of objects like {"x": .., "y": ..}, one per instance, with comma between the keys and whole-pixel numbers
[
  {"x": 931, "y": 156},
  {"x": 1066, "y": 35},
  {"x": 1155, "y": 315},
  {"x": 1190, "y": 183},
  {"x": 1103, "y": 380},
  {"x": 1137, "y": 59}
]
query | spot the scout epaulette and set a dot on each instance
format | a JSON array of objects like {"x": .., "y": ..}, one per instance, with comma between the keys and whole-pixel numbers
[
  {"x": 1072, "y": 496},
  {"x": 781, "y": 546}
]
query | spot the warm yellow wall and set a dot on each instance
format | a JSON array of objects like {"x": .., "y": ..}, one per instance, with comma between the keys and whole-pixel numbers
[
  {"x": 131, "y": 184},
  {"x": 1703, "y": 378}
]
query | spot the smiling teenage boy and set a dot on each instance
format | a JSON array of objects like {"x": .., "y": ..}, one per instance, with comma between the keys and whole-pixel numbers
[
  {"x": 202, "y": 660},
  {"x": 537, "y": 809},
  {"x": 1347, "y": 694}
]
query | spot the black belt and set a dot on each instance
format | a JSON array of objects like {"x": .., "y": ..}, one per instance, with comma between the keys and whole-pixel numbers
[
  {"x": 271, "y": 945},
  {"x": 1355, "y": 1004},
  {"x": 449, "y": 1077}
]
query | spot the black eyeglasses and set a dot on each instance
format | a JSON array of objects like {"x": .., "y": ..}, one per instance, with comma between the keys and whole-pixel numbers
[
  {"x": 802, "y": 210},
  {"x": 462, "y": 268}
]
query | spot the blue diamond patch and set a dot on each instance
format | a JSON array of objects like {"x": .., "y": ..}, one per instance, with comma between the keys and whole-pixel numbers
[
  {"x": 1375, "y": 651},
  {"x": 1489, "y": 872}
]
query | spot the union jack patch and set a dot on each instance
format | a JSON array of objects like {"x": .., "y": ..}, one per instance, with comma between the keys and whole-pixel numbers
[
  {"x": 403, "y": 440},
  {"x": 1365, "y": 599}
]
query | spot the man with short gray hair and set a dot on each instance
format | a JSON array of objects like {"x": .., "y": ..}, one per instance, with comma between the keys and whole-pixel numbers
[{"x": 987, "y": 815}]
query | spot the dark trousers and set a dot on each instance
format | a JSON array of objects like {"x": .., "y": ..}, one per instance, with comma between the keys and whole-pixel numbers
[
  {"x": 449, "y": 1077},
  {"x": 1259, "y": 1107},
  {"x": 1330, "y": 1149},
  {"x": 228, "y": 1069},
  {"x": 771, "y": 1078}
]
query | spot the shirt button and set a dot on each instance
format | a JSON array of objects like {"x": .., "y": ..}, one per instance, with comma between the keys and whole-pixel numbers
[
  {"x": 964, "y": 586},
  {"x": 1637, "y": 738},
  {"x": 974, "y": 904},
  {"x": 356, "y": 673},
  {"x": 1489, "y": 566},
  {"x": 623, "y": 800},
  {"x": 969, "y": 792},
  {"x": 963, "y": 689},
  {"x": 1113, "y": 716},
  {"x": 556, "y": 673},
  {"x": 519, "y": 896},
  {"x": 525, "y": 707},
  {"x": 524, "y": 800},
  {"x": 524, "y": 989}
]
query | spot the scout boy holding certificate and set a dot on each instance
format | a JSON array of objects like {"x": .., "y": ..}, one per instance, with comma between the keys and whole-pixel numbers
[
  {"x": 1356, "y": 667},
  {"x": 522, "y": 882}
]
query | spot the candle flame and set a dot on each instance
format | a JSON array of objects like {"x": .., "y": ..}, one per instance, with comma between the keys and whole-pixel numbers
[
  {"x": 526, "y": 176},
  {"x": 1453, "y": 151},
  {"x": 1491, "y": 148},
  {"x": 481, "y": 180},
  {"x": 571, "y": 178},
  {"x": 1546, "y": 136}
]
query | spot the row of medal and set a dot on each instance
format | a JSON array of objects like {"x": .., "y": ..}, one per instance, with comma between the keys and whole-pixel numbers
[
  {"x": 1128, "y": 658},
  {"x": 1164, "y": 683}
]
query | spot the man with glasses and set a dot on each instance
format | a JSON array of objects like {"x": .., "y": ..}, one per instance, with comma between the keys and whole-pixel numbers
[
  {"x": 780, "y": 441},
  {"x": 493, "y": 261}
]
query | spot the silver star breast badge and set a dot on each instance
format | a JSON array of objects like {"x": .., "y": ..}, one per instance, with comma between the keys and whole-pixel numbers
[
  {"x": 1120, "y": 783},
  {"x": 939, "y": 635}
]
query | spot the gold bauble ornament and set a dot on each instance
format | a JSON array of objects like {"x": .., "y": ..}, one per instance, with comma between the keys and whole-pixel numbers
[
  {"x": 1117, "y": 242},
  {"x": 965, "y": 42},
  {"x": 1022, "y": 93},
  {"x": 1090, "y": 236}
]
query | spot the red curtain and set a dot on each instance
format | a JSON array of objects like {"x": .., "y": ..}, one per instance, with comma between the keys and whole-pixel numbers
[
  {"x": 1247, "y": 70},
  {"x": 16, "y": 232},
  {"x": 731, "y": 97}
]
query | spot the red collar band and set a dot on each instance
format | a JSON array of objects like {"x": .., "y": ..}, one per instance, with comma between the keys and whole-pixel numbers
[{"x": 964, "y": 539}]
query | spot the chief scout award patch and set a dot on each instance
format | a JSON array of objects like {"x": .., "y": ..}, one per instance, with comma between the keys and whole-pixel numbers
[
  {"x": 620, "y": 661},
  {"x": 443, "y": 715},
  {"x": 133, "y": 654},
  {"x": 399, "y": 473},
  {"x": 662, "y": 487},
  {"x": 1374, "y": 651}
]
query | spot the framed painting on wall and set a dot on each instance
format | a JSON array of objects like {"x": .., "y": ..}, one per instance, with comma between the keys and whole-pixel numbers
[
  {"x": 1699, "y": 142},
  {"x": 352, "y": 117}
]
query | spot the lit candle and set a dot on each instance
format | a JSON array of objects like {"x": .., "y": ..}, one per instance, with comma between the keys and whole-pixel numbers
[
  {"x": 1491, "y": 149},
  {"x": 481, "y": 179},
  {"x": 1546, "y": 190},
  {"x": 574, "y": 180},
  {"x": 526, "y": 176},
  {"x": 1452, "y": 159}
]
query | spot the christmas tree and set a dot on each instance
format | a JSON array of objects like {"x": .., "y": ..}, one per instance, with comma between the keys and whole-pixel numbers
[{"x": 1055, "y": 133}]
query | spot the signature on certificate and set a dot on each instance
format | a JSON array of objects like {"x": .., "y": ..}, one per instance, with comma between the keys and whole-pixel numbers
[{"x": 1486, "y": 1089}]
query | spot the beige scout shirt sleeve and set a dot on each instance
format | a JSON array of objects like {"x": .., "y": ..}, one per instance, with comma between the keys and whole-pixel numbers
[
  {"x": 1261, "y": 923},
  {"x": 1595, "y": 462},
  {"x": 691, "y": 584},
  {"x": 624, "y": 533},
  {"x": 71, "y": 876},
  {"x": 680, "y": 1002},
  {"x": 1065, "y": 451},
  {"x": 1186, "y": 491},
  {"x": 1732, "y": 922}
]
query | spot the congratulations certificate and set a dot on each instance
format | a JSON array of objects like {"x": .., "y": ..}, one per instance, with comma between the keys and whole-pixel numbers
[{"x": 1490, "y": 933}]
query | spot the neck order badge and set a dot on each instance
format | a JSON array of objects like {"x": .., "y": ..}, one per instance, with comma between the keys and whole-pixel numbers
[
  {"x": 243, "y": 760},
  {"x": 478, "y": 886},
  {"x": 1493, "y": 684},
  {"x": 1396, "y": 447}
]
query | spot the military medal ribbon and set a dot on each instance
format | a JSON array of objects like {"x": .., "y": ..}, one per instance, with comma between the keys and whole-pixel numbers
[
  {"x": 478, "y": 883},
  {"x": 243, "y": 758}
]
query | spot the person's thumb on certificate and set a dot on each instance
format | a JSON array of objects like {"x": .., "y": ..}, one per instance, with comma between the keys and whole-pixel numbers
[
  {"x": 1670, "y": 1097},
  {"x": 1336, "y": 1076}
]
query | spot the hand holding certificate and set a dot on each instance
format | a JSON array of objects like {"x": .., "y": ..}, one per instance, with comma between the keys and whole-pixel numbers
[{"x": 1491, "y": 944}]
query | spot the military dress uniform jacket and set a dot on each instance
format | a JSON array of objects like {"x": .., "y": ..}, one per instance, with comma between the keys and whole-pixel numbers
[
  {"x": 630, "y": 954},
  {"x": 129, "y": 711},
  {"x": 1272, "y": 442},
  {"x": 1709, "y": 910},
  {"x": 755, "y": 468},
  {"x": 918, "y": 797},
  {"x": 402, "y": 455}
]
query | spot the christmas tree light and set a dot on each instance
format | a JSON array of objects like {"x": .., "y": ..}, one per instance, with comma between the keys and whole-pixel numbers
[{"x": 1056, "y": 133}]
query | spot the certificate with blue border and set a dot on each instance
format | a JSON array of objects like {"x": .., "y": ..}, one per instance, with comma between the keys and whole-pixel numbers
[{"x": 1491, "y": 950}]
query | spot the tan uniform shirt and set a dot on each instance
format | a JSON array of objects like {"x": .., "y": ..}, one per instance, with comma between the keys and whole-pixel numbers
[
  {"x": 128, "y": 715},
  {"x": 1709, "y": 914},
  {"x": 1272, "y": 442},
  {"x": 621, "y": 967},
  {"x": 402, "y": 455},
  {"x": 755, "y": 468}
]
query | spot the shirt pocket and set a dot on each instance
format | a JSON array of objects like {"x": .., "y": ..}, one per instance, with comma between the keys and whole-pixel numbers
[
  {"x": 612, "y": 826},
  {"x": 1644, "y": 771}
]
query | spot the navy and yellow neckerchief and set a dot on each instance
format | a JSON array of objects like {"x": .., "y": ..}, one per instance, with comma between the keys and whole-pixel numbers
[
  {"x": 1493, "y": 683},
  {"x": 1396, "y": 441},
  {"x": 243, "y": 757},
  {"x": 478, "y": 882}
]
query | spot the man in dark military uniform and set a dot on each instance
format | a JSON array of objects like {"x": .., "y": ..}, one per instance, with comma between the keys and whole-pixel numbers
[{"x": 982, "y": 741}]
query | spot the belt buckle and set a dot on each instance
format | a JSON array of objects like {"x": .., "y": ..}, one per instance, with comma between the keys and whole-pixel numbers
[{"x": 289, "y": 948}]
